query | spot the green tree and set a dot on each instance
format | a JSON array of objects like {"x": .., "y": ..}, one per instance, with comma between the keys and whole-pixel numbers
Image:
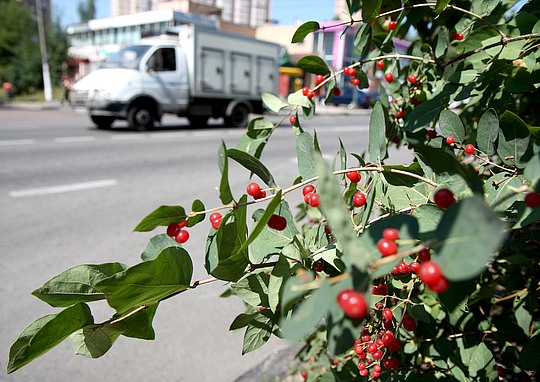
[{"x": 86, "y": 11}]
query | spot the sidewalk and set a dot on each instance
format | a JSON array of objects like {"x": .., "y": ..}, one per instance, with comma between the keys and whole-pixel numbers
[{"x": 28, "y": 105}]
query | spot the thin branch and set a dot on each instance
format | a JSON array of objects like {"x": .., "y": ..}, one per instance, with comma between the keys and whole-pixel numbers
[{"x": 478, "y": 17}]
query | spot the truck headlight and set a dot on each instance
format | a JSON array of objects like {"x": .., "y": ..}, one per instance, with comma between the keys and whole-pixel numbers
[{"x": 101, "y": 95}]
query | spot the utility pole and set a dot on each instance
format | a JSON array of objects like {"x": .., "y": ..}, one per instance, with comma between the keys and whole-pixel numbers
[{"x": 44, "y": 56}]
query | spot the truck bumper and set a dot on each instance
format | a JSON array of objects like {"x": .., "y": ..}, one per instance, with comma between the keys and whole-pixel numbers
[{"x": 104, "y": 108}]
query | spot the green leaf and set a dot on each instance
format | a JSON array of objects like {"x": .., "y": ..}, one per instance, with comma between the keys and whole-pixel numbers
[
  {"x": 93, "y": 341},
  {"x": 370, "y": 10},
  {"x": 225, "y": 193},
  {"x": 148, "y": 282},
  {"x": 499, "y": 187},
  {"x": 441, "y": 5},
  {"x": 139, "y": 325},
  {"x": 253, "y": 289},
  {"x": 269, "y": 241},
  {"x": 451, "y": 124},
  {"x": 197, "y": 206},
  {"x": 242, "y": 320},
  {"x": 257, "y": 333},
  {"x": 305, "y": 29},
  {"x": 482, "y": 366},
  {"x": 253, "y": 164},
  {"x": 447, "y": 166},
  {"x": 523, "y": 316},
  {"x": 77, "y": 284},
  {"x": 362, "y": 42},
  {"x": 514, "y": 141},
  {"x": 257, "y": 134},
  {"x": 298, "y": 99},
  {"x": 463, "y": 76},
  {"x": 163, "y": 216},
  {"x": 377, "y": 138},
  {"x": 45, "y": 333},
  {"x": 335, "y": 210},
  {"x": 488, "y": 130},
  {"x": 304, "y": 152},
  {"x": 224, "y": 259},
  {"x": 469, "y": 234},
  {"x": 423, "y": 115},
  {"x": 428, "y": 217},
  {"x": 528, "y": 357},
  {"x": 313, "y": 64},
  {"x": 156, "y": 245},
  {"x": 309, "y": 313},
  {"x": 272, "y": 102}
]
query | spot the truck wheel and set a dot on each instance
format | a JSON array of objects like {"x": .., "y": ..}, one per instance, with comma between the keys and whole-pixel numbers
[
  {"x": 102, "y": 122},
  {"x": 141, "y": 117},
  {"x": 238, "y": 117}
]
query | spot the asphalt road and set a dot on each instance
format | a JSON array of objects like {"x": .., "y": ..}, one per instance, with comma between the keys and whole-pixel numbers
[{"x": 71, "y": 194}]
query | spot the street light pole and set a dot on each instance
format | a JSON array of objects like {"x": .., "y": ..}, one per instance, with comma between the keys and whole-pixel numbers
[{"x": 44, "y": 56}]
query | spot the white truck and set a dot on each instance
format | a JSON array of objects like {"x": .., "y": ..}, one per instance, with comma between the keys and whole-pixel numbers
[{"x": 196, "y": 73}]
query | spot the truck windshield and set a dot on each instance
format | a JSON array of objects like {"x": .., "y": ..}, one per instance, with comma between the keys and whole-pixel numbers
[{"x": 128, "y": 57}]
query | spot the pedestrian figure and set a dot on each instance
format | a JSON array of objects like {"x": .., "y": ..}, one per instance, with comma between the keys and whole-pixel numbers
[
  {"x": 8, "y": 90},
  {"x": 66, "y": 83}
]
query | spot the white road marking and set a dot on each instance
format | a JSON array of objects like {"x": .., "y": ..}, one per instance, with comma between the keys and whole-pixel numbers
[
  {"x": 75, "y": 139},
  {"x": 127, "y": 137},
  {"x": 16, "y": 142},
  {"x": 63, "y": 188}
]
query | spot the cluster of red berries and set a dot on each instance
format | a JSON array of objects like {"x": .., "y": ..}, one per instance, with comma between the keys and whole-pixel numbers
[
  {"x": 177, "y": 231},
  {"x": 387, "y": 244},
  {"x": 349, "y": 71},
  {"x": 430, "y": 273},
  {"x": 215, "y": 220},
  {"x": 308, "y": 92},
  {"x": 255, "y": 191},
  {"x": 311, "y": 197}
]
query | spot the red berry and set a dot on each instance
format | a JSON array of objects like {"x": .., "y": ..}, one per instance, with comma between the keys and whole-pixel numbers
[
  {"x": 260, "y": 195},
  {"x": 415, "y": 101},
  {"x": 307, "y": 189},
  {"x": 424, "y": 255},
  {"x": 379, "y": 290},
  {"x": 440, "y": 286},
  {"x": 310, "y": 94},
  {"x": 412, "y": 79},
  {"x": 319, "y": 78},
  {"x": 346, "y": 70},
  {"x": 172, "y": 229},
  {"x": 414, "y": 266},
  {"x": 450, "y": 140},
  {"x": 391, "y": 234},
  {"x": 337, "y": 92},
  {"x": 457, "y": 36},
  {"x": 277, "y": 222},
  {"x": 352, "y": 302},
  {"x": 352, "y": 72},
  {"x": 532, "y": 199},
  {"x": 305, "y": 91},
  {"x": 469, "y": 149},
  {"x": 387, "y": 338},
  {"x": 395, "y": 345},
  {"x": 304, "y": 375},
  {"x": 354, "y": 176},
  {"x": 215, "y": 220},
  {"x": 409, "y": 323},
  {"x": 359, "y": 199},
  {"x": 389, "y": 77},
  {"x": 354, "y": 81},
  {"x": 391, "y": 363},
  {"x": 403, "y": 268},
  {"x": 182, "y": 236},
  {"x": 392, "y": 24},
  {"x": 377, "y": 355},
  {"x": 371, "y": 348},
  {"x": 364, "y": 372},
  {"x": 253, "y": 189},
  {"x": 386, "y": 247},
  {"x": 318, "y": 266},
  {"x": 430, "y": 273},
  {"x": 380, "y": 64},
  {"x": 314, "y": 199},
  {"x": 387, "y": 314},
  {"x": 292, "y": 120},
  {"x": 400, "y": 114},
  {"x": 432, "y": 134},
  {"x": 443, "y": 198}
]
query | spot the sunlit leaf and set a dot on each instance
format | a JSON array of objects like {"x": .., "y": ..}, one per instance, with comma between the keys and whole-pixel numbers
[
  {"x": 253, "y": 164},
  {"x": 163, "y": 216},
  {"x": 377, "y": 138},
  {"x": 313, "y": 64}
]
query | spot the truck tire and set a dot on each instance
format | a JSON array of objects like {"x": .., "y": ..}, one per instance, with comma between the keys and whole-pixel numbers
[
  {"x": 239, "y": 116},
  {"x": 141, "y": 117},
  {"x": 102, "y": 122}
]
